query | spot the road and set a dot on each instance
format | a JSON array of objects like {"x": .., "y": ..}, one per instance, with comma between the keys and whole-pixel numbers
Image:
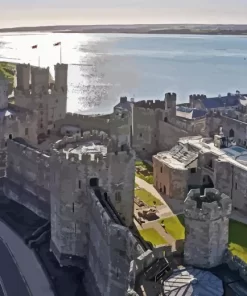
[
  {"x": 11, "y": 280},
  {"x": 28, "y": 264}
]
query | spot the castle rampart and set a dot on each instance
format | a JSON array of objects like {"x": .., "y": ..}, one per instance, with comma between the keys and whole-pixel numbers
[
  {"x": 206, "y": 227},
  {"x": 28, "y": 178}
]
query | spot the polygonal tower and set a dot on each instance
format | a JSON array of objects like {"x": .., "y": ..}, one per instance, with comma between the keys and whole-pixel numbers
[
  {"x": 77, "y": 165},
  {"x": 206, "y": 227}
]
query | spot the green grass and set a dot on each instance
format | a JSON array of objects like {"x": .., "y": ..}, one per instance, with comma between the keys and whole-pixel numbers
[
  {"x": 7, "y": 70},
  {"x": 174, "y": 226},
  {"x": 148, "y": 177},
  {"x": 151, "y": 235},
  {"x": 238, "y": 239},
  {"x": 147, "y": 197}
]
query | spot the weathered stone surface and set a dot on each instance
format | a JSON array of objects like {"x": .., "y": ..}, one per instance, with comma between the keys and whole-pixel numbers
[{"x": 206, "y": 227}]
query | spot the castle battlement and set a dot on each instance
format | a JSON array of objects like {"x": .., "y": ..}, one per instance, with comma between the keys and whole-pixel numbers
[
  {"x": 210, "y": 206},
  {"x": 197, "y": 96},
  {"x": 150, "y": 104},
  {"x": 91, "y": 147}
]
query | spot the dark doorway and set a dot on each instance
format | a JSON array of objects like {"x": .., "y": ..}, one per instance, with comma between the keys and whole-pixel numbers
[
  {"x": 231, "y": 133},
  {"x": 10, "y": 136},
  {"x": 48, "y": 132},
  {"x": 165, "y": 119},
  {"x": 207, "y": 182},
  {"x": 164, "y": 189},
  {"x": 94, "y": 182}
]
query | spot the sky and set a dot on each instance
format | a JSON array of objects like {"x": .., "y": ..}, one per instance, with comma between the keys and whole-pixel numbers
[{"x": 16, "y": 13}]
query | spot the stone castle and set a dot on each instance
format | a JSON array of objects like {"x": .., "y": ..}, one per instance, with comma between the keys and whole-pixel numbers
[{"x": 79, "y": 171}]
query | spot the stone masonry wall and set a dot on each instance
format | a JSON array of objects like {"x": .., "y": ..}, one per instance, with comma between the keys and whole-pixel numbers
[
  {"x": 230, "y": 179},
  {"x": 28, "y": 178},
  {"x": 111, "y": 248},
  {"x": 169, "y": 135},
  {"x": 206, "y": 228}
]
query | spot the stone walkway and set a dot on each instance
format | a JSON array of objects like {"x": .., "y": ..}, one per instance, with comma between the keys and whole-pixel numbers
[
  {"x": 27, "y": 262},
  {"x": 172, "y": 206}
]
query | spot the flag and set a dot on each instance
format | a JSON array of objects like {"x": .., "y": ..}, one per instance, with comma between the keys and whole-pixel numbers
[
  {"x": 34, "y": 46},
  {"x": 56, "y": 44}
]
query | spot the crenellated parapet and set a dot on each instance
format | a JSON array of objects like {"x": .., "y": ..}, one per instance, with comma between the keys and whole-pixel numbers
[
  {"x": 103, "y": 148},
  {"x": 195, "y": 97},
  {"x": 150, "y": 104},
  {"x": 210, "y": 206}
]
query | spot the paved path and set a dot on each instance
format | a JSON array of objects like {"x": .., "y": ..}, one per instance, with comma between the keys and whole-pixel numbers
[
  {"x": 27, "y": 262},
  {"x": 12, "y": 282},
  {"x": 172, "y": 206},
  {"x": 155, "y": 225}
]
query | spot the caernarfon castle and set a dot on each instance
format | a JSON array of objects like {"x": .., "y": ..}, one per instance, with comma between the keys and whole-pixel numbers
[{"x": 79, "y": 171}]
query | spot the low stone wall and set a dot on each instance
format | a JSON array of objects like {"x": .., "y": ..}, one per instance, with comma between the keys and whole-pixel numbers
[{"x": 237, "y": 264}]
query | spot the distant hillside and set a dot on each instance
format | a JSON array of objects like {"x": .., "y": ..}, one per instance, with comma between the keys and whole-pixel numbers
[
  {"x": 139, "y": 29},
  {"x": 7, "y": 71}
]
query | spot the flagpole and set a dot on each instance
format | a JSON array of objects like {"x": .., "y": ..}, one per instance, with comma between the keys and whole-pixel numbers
[{"x": 61, "y": 53}]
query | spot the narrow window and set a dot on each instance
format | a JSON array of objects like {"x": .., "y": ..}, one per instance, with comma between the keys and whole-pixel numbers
[
  {"x": 118, "y": 197},
  {"x": 236, "y": 186},
  {"x": 26, "y": 131},
  {"x": 140, "y": 134},
  {"x": 161, "y": 170},
  {"x": 193, "y": 170},
  {"x": 73, "y": 207},
  {"x": 79, "y": 184}
]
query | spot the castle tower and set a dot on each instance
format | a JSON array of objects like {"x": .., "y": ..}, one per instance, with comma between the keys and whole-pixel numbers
[
  {"x": 206, "y": 227},
  {"x": 170, "y": 101},
  {"x": 78, "y": 166},
  {"x": 40, "y": 80},
  {"x": 61, "y": 77},
  {"x": 193, "y": 99},
  {"x": 23, "y": 76},
  {"x": 3, "y": 93}
]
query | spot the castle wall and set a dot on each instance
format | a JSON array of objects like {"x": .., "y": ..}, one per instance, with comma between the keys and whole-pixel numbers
[
  {"x": 230, "y": 180},
  {"x": 28, "y": 178},
  {"x": 145, "y": 129},
  {"x": 110, "y": 250},
  {"x": 169, "y": 135},
  {"x": 214, "y": 121},
  {"x": 84, "y": 122},
  {"x": 21, "y": 124}
]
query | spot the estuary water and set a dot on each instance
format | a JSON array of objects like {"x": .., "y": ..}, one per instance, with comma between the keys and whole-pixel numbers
[{"x": 103, "y": 67}]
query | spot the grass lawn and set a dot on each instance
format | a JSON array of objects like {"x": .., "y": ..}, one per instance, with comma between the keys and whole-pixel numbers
[
  {"x": 147, "y": 197},
  {"x": 238, "y": 239},
  {"x": 174, "y": 226},
  {"x": 151, "y": 235},
  {"x": 148, "y": 176}
]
